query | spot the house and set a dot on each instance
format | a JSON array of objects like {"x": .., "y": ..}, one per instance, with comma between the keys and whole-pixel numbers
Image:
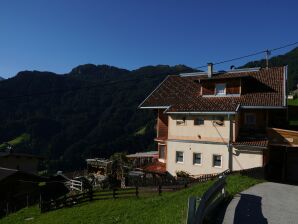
[
  {"x": 19, "y": 161},
  {"x": 208, "y": 122}
]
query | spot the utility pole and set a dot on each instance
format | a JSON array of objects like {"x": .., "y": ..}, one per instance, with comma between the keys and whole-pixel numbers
[{"x": 267, "y": 52}]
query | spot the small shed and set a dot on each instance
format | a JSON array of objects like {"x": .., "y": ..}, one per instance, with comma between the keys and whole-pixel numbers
[
  {"x": 17, "y": 189},
  {"x": 20, "y": 161}
]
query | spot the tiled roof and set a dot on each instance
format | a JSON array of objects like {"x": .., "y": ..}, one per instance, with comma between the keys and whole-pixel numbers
[
  {"x": 259, "y": 88},
  {"x": 156, "y": 167},
  {"x": 256, "y": 142}
]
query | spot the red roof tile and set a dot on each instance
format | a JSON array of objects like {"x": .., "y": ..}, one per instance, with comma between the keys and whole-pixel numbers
[
  {"x": 261, "y": 142},
  {"x": 156, "y": 167},
  {"x": 259, "y": 88}
]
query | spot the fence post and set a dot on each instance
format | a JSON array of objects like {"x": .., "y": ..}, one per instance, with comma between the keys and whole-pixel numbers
[
  {"x": 159, "y": 190},
  {"x": 27, "y": 200},
  {"x": 90, "y": 194},
  {"x": 114, "y": 193},
  {"x": 137, "y": 191}
]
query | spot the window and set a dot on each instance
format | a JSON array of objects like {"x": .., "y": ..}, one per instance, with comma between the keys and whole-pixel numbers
[
  {"x": 179, "y": 157},
  {"x": 199, "y": 121},
  {"x": 219, "y": 120},
  {"x": 220, "y": 89},
  {"x": 162, "y": 151},
  {"x": 217, "y": 160},
  {"x": 197, "y": 159},
  {"x": 181, "y": 122},
  {"x": 250, "y": 119}
]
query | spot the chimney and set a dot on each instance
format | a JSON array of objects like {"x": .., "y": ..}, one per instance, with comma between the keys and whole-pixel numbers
[{"x": 210, "y": 70}]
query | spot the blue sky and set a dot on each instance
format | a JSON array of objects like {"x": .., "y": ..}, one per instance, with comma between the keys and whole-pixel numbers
[{"x": 57, "y": 35}]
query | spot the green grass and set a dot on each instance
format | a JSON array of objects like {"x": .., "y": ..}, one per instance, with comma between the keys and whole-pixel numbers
[
  {"x": 293, "y": 102},
  {"x": 169, "y": 208},
  {"x": 17, "y": 141},
  {"x": 141, "y": 131}
]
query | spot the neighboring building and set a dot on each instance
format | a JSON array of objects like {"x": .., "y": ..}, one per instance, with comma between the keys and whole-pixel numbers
[
  {"x": 20, "y": 161},
  {"x": 141, "y": 159},
  {"x": 18, "y": 189},
  {"x": 208, "y": 122}
]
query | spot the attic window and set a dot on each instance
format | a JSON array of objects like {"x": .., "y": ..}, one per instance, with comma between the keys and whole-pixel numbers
[
  {"x": 181, "y": 122},
  {"x": 220, "y": 89},
  {"x": 199, "y": 121},
  {"x": 219, "y": 120}
]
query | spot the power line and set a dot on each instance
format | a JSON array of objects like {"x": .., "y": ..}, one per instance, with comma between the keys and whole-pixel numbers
[{"x": 250, "y": 55}]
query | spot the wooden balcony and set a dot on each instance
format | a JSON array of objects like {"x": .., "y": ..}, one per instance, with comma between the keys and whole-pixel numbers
[{"x": 162, "y": 126}]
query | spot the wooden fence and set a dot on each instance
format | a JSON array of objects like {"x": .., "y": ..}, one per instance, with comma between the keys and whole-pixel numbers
[
  {"x": 210, "y": 199},
  {"x": 136, "y": 191},
  {"x": 105, "y": 195}
]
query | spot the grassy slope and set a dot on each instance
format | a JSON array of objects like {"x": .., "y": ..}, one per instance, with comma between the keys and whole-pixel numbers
[
  {"x": 19, "y": 140},
  {"x": 168, "y": 208},
  {"x": 293, "y": 102}
]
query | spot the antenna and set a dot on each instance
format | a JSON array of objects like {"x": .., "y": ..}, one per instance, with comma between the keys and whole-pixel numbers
[{"x": 267, "y": 53}]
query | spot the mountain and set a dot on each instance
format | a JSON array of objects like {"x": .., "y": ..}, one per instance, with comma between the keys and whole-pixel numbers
[
  {"x": 1, "y": 78},
  {"x": 88, "y": 112},
  {"x": 290, "y": 59}
]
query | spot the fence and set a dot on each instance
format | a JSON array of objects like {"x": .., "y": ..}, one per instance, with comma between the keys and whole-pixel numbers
[
  {"x": 210, "y": 199},
  {"x": 75, "y": 185},
  {"x": 137, "y": 190},
  {"x": 105, "y": 195}
]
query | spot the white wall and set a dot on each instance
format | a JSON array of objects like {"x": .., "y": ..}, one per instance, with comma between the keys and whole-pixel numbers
[
  {"x": 206, "y": 150},
  {"x": 207, "y": 132},
  {"x": 247, "y": 159},
  {"x": 241, "y": 160}
]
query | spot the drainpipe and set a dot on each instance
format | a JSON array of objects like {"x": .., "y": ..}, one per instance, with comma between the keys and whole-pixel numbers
[{"x": 230, "y": 148}]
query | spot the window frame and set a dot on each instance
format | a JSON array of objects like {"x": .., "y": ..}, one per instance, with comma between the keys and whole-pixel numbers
[
  {"x": 194, "y": 122},
  {"x": 183, "y": 119},
  {"x": 164, "y": 151},
  {"x": 193, "y": 159},
  {"x": 215, "y": 118},
  {"x": 224, "y": 90},
  {"x": 213, "y": 161},
  {"x": 181, "y": 162}
]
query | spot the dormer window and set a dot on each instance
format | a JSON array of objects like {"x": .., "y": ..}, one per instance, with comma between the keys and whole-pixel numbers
[{"x": 220, "y": 89}]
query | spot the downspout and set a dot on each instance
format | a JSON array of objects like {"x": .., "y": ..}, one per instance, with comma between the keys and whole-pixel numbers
[{"x": 230, "y": 148}]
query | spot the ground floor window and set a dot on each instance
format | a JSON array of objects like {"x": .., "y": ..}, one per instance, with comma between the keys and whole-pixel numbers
[
  {"x": 217, "y": 160},
  {"x": 197, "y": 159},
  {"x": 162, "y": 151},
  {"x": 179, "y": 157}
]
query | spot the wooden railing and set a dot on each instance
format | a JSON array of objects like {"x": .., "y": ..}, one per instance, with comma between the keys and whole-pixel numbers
[
  {"x": 75, "y": 185},
  {"x": 137, "y": 191},
  {"x": 69, "y": 201},
  {"x": 210, "y": 199}
]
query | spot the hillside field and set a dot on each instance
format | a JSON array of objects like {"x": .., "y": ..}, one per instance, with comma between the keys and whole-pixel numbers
[{"x": 171, "y": 208}]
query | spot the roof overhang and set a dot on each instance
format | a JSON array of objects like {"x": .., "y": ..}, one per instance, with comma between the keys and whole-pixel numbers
[
  {"x": 155, "y": 107},
  {"x": 263, "y": 107},
  {"x": 203, "y": 112}
]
